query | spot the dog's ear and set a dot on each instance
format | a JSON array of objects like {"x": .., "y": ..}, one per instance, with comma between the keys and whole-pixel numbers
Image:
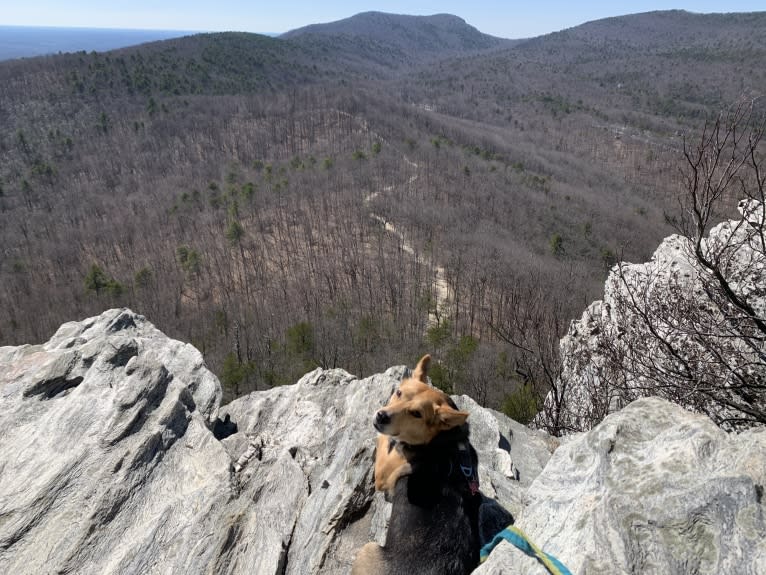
[
  {"x": 421, "y": 369},
  {"x": 449, "y": 417}
]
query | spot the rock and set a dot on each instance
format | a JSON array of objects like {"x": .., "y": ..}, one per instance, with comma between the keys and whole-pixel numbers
[
  {"x": 108, "y": 465},
  {"x": 109, "y": 461},
  {"x": 308, "y": 477},
  {"x": 99, "y": 346},
  {"x": 610, "y": 357},
  {"x": 652, "y": 489},
  {"x": 324, "y": 422}
]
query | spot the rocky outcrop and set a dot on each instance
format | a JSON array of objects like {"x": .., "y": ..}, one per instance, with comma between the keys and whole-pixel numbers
[
  {"x": 666, "y": 327},
  {"x": 652, "y": 489},
  {"x": 109, "y": 464}
]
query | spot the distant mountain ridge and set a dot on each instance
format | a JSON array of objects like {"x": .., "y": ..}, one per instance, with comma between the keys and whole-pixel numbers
[
  {"x": 667, "y": 29},
  {"x": 669, "y": 65},
  {"x": 413, "y": 37},
  {"x": 30, "y": 41}
]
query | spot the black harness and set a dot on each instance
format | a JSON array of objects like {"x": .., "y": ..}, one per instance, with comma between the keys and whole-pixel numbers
[{"x": 463, "y": 461}]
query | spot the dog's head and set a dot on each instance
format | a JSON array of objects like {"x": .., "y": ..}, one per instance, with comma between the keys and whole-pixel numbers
[{"x": 417, "y": 412}]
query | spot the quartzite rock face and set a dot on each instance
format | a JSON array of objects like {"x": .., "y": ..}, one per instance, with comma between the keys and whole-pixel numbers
[
  {"x": 108, "y": 463},
  {"x": 652, "y": 489}
]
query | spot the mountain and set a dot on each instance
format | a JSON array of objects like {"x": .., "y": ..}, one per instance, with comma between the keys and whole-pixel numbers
[
  {"x": 670, "y": 30},
  {"x": 670, "y": 63},
  {"x": 642, "y": 70},
  {"x": 293, "y": 206},
  {"x": 398, "y": 39},
  {"x": 370, "y": 45},
  {"x": 443, "y": 33}
]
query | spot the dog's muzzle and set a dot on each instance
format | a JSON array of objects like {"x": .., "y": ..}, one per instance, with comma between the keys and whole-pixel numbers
[{"x": 381, "y": 420}]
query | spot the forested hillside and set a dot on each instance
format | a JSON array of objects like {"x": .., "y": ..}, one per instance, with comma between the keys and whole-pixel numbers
[{"x": 329, "y": 199}]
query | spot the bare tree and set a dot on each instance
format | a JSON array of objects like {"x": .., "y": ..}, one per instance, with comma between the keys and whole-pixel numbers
[
  {"x": 531, "y": 320},
  {"x": 691, "y": 325}
]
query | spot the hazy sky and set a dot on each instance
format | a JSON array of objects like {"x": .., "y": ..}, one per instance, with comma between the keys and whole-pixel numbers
[{"x": 507, "y": 18}]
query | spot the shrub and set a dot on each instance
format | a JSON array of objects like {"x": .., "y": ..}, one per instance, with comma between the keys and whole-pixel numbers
[
  {"x": 189, "y": 259},
  {"x": 96, "y": 279},
  {"x": 440, "y": 377},
  {"x": 234, "y": 373},
  {"x": 234, "y": 232},
  {"x": 143, "y": 277},
  {"x": 556, "y": 244},
  {"x": 521, "y": 405}
]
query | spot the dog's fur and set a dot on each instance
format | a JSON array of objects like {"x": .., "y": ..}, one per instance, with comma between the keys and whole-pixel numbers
[
  {"x": 434, "y": 518},
  {"x": 390, "y": 464}
]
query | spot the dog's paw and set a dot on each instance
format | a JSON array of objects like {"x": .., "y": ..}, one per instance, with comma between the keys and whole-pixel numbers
[{"x": 390, "y": 482}]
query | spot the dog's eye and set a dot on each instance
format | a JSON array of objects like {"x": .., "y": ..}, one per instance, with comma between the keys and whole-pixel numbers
[
  {"x": 398, "y": 393},
  {"x": 416, "y": 413}
]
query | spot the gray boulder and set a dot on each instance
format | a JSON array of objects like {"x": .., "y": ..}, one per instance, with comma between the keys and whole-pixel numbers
[
  {"x": 107, "y": 464},
  {"x": 652, "y": 489}
]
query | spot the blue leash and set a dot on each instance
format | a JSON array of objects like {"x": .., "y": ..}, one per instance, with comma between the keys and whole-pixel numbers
[{"x": 518, "y": 538}]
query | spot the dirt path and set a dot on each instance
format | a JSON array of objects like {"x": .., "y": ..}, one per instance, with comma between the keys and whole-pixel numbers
[{"x": 439, "y": 283}]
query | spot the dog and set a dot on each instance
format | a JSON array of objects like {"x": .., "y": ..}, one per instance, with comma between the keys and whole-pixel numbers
[{"x": 430, "y": 470}]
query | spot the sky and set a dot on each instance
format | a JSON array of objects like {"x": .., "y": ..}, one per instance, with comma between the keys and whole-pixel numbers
[{"x": 505, "y": 18}]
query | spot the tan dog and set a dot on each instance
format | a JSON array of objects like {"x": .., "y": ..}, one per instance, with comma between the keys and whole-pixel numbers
[
  {"x": 425, "y": 463},
  {"x": 417, "y": 413},
  {"x": 390, "y": 464}
]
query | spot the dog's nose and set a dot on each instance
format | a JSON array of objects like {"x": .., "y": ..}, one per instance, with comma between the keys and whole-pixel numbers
[{"x": 382, "y": 418}]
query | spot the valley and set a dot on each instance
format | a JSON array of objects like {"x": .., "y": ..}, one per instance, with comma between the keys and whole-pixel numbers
[{"x": 334, "y": 197}]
